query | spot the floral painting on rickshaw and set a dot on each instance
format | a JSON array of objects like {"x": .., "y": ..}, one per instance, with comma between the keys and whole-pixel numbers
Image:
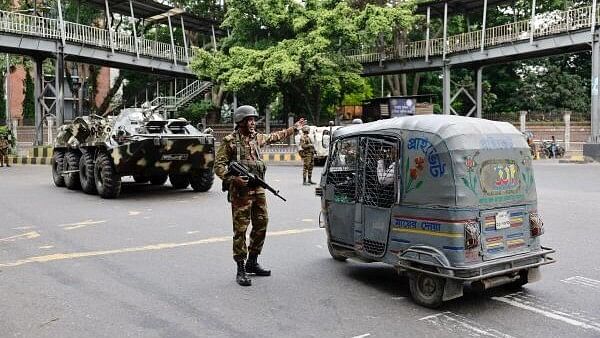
[
  {"x": 470, "y": 180},
  {"x": 414, "y": 168}
]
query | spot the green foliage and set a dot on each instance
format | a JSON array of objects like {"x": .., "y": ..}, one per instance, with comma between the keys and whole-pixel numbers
[
  {"x": 2, "y": 101},
  {"x": 4, "y": 130},
  {"x": 196, "y": 111},
  {"x": 76, "y": 11},
  {"x": 29, "y": 100},
  {"x": 282, "y": 47},
  {"x": 356, "y": 98},
  {"x": 552, "y": 84}
]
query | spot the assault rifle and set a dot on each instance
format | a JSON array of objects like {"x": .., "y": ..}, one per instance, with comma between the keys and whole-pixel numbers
[{"x": 238, "y": 169}]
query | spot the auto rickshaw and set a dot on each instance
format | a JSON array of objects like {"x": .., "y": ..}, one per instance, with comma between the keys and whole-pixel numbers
[{"x": 448, "y": 200}]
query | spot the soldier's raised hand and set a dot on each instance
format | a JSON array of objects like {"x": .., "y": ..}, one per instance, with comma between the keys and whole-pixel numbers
[{"x": 300, "y": 123}]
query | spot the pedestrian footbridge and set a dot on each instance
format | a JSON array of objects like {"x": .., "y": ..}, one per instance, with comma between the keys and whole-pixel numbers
[{"x": 41, "y": 37}]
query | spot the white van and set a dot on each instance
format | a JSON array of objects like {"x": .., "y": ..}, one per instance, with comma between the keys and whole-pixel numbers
[{"x": 321, "y": 139}]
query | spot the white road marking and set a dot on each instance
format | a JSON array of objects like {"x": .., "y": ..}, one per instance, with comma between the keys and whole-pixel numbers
[
  {"x": 308, "y": 220},
  {"x": 27, "y": 235},
  {"x": 462, "y": 326},
  {"x": 319, "y": 246},
  {"x": 46, "y": 247},
  {"x": 584, "y": 281},
  {"x": 26, "y": 227},
  {"x": 134, "y": 213},
  {"x": 151, "y": 247},
  {"x": 525, "y": 302},
  {"x": 362, "y": 335},
  {"x": 72, "y": 226},
  {"x": 193, "y": 232}
]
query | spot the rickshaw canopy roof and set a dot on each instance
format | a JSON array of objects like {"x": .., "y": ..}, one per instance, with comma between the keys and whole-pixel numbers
[{"x": 445, "y": 126}]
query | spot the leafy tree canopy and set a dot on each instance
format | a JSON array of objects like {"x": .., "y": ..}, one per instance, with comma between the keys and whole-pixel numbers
[{"x": 282, "y": 46}]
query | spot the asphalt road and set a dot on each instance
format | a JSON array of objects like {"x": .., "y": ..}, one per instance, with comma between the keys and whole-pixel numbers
[{"x": 157, "y": 263}]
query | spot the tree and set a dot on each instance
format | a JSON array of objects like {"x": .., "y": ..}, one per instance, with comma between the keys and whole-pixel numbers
[
  {"x": 284, "y": 47},
  {"x": 552, "y": 84},
  {"x": 29, "y": 100}
]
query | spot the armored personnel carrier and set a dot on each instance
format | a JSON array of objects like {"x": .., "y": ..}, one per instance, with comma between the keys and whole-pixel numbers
[{"x": 92, "y": 153}]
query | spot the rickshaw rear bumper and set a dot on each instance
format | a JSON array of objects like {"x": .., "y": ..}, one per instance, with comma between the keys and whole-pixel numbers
[{"x": 421, "y": 259}]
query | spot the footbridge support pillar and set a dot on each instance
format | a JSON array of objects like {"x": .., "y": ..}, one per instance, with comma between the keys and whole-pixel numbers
[
  {"x": 446, "y": 100},
  {"x": 592, "y": 148}
]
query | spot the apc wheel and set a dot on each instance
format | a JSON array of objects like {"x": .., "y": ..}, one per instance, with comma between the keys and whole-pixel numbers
[
  {"x": 158, "y": 179},
  {"x": 86, "y": 173},
  {"x": 141, "y": 179},
  {"x": 72, "y": 163},
  {"x": 108, "y": 182},
  {"x": 426, "y": 290},
  {"x": 58, "y": 160},
  {"x": 179, "y": 181},
  {"x": 202, "y": 180},
  {"x": 334, "y": 253}
]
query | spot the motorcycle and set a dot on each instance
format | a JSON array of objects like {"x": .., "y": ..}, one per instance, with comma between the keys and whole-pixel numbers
[{"x": 546, "y": 150}]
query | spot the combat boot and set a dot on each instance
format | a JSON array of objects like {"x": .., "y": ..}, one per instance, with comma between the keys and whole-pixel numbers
[
  {"x": 310, "y": 180},
  {"x": 252, "y": 266},
  {"x": 241, "y": 277},
  {"x": 304, "y": 181}
]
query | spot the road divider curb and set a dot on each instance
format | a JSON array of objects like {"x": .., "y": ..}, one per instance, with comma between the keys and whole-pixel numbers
[{"x": 46, "y": 158}]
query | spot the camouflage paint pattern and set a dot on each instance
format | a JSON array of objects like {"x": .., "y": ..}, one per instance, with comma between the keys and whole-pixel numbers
[
  {"x": 4, "y": 147},
  {"x": 247, "y": 204},
  {"x": 141, "y": 142},
  {"x": 308, "y": 155}
]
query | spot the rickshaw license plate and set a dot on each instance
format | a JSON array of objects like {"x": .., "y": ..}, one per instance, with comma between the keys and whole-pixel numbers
[{"x": 502, "y": 220}]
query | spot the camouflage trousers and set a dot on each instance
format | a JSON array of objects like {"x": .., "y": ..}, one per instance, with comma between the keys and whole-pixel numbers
[
  {"x": 4, "y": 156},
  {"x": 245, "y": 208},
  {"x": 307, "y": 168}
]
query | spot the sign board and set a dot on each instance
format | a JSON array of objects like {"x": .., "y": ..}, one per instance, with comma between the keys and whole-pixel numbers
[{"x": 402, "y": 107}]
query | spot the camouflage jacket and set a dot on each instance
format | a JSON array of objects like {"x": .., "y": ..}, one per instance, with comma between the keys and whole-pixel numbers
[
  {"x": 306, "y": 145},
  {"x": 4, "y": 144},
  {"x": 246, "y": 150}
]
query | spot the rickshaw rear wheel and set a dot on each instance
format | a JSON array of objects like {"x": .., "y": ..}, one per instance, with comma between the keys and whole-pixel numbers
[
  {"x": 426, "y": 290},
  {"x": 335, "y": 254}
]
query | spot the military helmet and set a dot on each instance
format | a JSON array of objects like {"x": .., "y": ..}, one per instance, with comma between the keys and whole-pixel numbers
[
  {"x": 305, "y": 129},
  {"x": 242, "y": 112}
]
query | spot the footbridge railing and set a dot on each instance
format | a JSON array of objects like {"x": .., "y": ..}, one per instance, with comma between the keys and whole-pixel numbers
[
  {"x": 47, "y": 28},
  {"x": 541, "y": 25}
]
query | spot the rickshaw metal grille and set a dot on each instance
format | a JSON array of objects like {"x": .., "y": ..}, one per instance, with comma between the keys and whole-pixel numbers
[
  {"x": 379, "y": 183},
  {"x": 373, "y": 247},
  {"x": 342, "y": 171}
]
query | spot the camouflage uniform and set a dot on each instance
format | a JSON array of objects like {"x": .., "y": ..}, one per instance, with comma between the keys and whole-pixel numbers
[
  {"x": 4, "y": 146},
  {"x": 308, "y": 157},
  {"x": 248, "y": 204}
]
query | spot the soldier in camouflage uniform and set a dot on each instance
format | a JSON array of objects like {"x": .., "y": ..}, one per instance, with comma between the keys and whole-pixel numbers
[
  {"x": 4, "y": 146},
  {"x": 248, "y": 204},
  {"x": 308, "y": 156}
]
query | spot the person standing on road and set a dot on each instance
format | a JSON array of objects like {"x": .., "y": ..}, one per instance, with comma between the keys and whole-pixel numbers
[
  {"x": 248, "y": 204},
  {"x": 4, "y": 146},
  {"x": 308, "y": 156}
]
